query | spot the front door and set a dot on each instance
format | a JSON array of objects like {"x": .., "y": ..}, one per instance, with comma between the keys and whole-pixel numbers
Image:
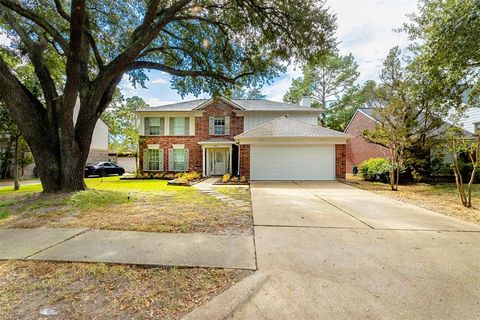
[{"x": 219, "y": 162}]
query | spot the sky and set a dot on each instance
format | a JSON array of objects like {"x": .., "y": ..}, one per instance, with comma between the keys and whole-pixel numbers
[{"x": 365, "y": 29}]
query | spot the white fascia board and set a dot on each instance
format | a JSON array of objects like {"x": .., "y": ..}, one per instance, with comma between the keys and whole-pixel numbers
[
  {"x": 280, "y": 113},
  {"x": 292, "y": 140}
]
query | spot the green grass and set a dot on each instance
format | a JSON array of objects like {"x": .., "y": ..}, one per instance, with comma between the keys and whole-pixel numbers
[
  {"x": 96, "y": 198},
  {"x": 5, "y": 208},
  {"x": 108, "y": 183}
]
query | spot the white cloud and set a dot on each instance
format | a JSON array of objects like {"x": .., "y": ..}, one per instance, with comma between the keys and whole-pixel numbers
[
  {"x": 4, "y": 39},
  {"x": 159, "y": 80},
  {"x": 365, "y": 28},
  {"x": 153, "y": 102},
  {"x": 277, "y": 90}
]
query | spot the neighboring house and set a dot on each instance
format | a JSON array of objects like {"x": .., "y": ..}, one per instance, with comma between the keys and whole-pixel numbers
[
  {"x": 471, "y": 122},
  {"x": 358, "y": 148},
  {"x": 258, "y": 139},
  {"x": 126, "y": 160},
  {"x": 99, "y": 146}
]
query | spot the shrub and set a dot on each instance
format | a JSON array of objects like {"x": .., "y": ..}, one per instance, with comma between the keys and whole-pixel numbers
[
  {"x": 192, "y": 175},
  {"x": 375, "y": 169},
  {"x": 226, "y": 177},
  {"x": 243, "y": 179},
  {"x": 234, "y": 179},
  {"x": 169, "y": 176},
  {"x": 182, "y": 179},
  {"x": 158, "y": 175}
]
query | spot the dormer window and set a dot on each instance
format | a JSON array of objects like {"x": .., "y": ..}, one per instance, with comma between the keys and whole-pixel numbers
[{"x": 476, "y": 128}]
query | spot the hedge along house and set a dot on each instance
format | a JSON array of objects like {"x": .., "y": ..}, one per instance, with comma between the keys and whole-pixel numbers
[{"x": 258, "y": 139}]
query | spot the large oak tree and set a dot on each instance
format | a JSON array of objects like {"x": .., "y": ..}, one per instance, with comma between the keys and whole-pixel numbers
[{"x": 205, "y": 45}]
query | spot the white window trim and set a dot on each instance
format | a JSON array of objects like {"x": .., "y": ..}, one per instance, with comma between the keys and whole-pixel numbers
[
  {"x": 184, "y": 154},
  {"x": 214, "y": 126},
  {"x": 145, "y": 133},
  {"x": 158, "y": 168}
]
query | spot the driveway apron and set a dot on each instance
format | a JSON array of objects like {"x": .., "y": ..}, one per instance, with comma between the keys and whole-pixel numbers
[{"x": 358, "y": 255}]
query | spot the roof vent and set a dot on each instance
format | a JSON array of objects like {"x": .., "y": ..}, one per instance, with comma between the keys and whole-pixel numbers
[{"x": 306, "y": 101}]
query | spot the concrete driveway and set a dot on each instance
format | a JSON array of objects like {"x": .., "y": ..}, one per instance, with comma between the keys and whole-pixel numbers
[{"x": 337, "y": 252}]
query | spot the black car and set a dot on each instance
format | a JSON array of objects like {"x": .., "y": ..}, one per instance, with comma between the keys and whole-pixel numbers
[{"x": 103, "y": 169}]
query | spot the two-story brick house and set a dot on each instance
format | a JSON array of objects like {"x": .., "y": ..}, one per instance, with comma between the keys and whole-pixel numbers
[{"x": 258, "y": 139}]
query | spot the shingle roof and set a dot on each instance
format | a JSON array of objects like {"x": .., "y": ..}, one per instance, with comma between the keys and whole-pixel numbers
[
  {"x": 291, "y": 128},
  {"x": 245, "y": 104},
  {"x": 268, "y": 105}
]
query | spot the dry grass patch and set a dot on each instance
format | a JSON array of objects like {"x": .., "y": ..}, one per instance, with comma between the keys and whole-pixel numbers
[
  {"x": 100, "y": 291},
  {"x": 238, "y": 193},
  {"x": 126, "y": 205},
  {"x": 439, "y": 197}
]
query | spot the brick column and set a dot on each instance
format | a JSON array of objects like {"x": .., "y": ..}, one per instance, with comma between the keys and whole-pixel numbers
[
  {"x": 340, "y": 161},
  {"x": 245, "y": 160}
]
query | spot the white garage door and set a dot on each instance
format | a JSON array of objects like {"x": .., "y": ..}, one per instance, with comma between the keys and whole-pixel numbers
[{"x": 287, "y": 162}]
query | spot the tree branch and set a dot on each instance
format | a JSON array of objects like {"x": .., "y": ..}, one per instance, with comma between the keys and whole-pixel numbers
[
  {"x": 32, "y": 16},
  {"x": 185, "y": 73}
]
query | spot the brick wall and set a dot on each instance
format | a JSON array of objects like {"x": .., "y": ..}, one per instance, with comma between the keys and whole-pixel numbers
[
  {"x": 340, "y": 161},
  {"x": 217, "y": 108},
  {"x": 359, "y": 149},
  {"x": 245, "y": 160}
]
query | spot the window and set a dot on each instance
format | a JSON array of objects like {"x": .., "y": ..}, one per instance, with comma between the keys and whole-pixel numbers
[
  {"x": 178, "y": 159},
  {"x": 476, "y": 127},
  {"x": 179, "y": 126},
  {"x": 219, "y": 125},
  {"x": 153, "y": 159},
  {"x": 154, "y": 126}
]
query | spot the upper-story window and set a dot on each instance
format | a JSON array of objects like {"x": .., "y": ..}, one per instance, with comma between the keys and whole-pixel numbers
[
  {"x": 476, "y": 128},
  {"x": 219, "y": 125},
  {"x": 154, "y": 126},
  {"x": 179, "y": 126}
]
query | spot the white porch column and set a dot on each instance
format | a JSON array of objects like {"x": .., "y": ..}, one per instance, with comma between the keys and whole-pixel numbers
[
  {"x": 204, "y": 173},
  {"x": 230, "y": 159}
]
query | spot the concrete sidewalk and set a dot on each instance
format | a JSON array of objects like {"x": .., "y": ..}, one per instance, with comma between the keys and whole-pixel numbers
[{"x": 129, "y": 247}]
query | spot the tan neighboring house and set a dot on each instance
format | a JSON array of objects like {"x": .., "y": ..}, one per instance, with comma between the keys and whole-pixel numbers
[{"x": 99, "y": 146}]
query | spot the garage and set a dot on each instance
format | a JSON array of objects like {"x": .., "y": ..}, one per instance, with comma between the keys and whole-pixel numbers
[
  {"x": 292, "y": 162},
  {"x": 289, "y": 149}
]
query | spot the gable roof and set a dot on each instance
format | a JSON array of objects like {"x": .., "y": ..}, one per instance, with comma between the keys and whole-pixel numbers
[
  {"x": 240, "y": 104},
  {"x": 285, "y": 127}
]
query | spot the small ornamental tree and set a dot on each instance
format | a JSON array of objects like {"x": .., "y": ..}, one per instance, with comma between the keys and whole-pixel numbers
[
  {"x": 459, "y": 144},
  {"x": 79, "y": 50}
]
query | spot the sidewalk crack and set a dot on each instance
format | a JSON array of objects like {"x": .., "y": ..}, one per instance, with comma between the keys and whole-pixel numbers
[{"x": 56, "y": 244}]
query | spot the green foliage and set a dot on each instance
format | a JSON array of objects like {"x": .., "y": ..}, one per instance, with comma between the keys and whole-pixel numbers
[
  {"x": 458, "y": 145},
  {"x": 121, "y": 120},
  {"x": 325, "y": 79},
  {"x": 447, "y": 34},
  {"x": 375, "y": 169},
  {"x": 247, "y": 93},
  {"x": 340, "y": 112}
]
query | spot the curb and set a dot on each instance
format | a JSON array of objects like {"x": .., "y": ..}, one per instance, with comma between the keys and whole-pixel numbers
[{"x": 225, "y": 304}]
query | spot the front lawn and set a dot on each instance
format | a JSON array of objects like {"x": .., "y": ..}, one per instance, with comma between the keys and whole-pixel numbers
[
  {"x": 238, "y": 193},
  {"x": 102, "y": 291},
  {"x": 111, "y": 203},
  {"x": 439, "y": 197}
]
